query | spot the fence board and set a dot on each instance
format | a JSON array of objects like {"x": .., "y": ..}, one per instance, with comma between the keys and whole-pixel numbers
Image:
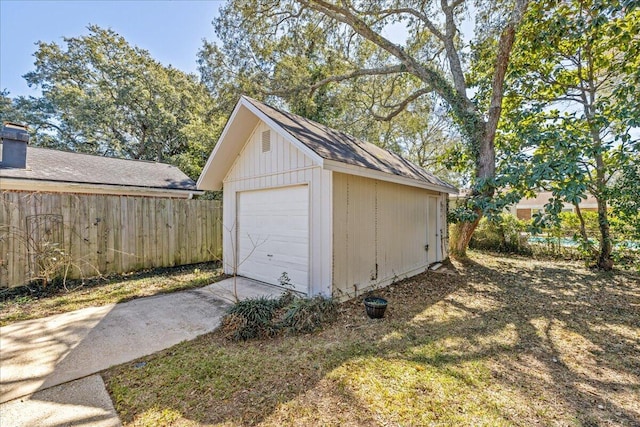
[
  {"x": 125, "y": 250},
  {"x": 171, "y": 214},
  {"x": 4, "y": 259},
  {"x": 193, "y": 248},
  {"x": 179, "y": 224},
  {"x": 20, "y": 259},
  {"x": 106, "y": 234},
  {"x": 100, "y": 222},
  {"x": 132, "y": 239},
  {"x": 113, "y": 234}
]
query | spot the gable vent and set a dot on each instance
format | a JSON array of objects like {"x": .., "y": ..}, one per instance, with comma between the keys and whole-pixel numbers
[{"x": 266, "y": 141}]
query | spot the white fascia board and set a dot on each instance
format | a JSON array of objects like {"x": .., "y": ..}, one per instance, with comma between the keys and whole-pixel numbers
[
  {"x": 9, "y": 184},
  {"x": 374, "y": 174},
  {"x": 286, "y": 135},
  {"x": 225, "y": 131}
]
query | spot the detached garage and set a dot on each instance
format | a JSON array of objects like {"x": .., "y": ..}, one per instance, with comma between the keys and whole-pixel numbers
[{"x": 338, "y": 215}]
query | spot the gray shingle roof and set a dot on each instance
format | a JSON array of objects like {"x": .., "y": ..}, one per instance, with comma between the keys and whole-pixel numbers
[
  {"x": 61, "y": 166},
  {"x": 331, "y": 144}
]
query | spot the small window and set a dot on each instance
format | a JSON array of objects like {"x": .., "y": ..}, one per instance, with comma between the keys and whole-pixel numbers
[{"x": 266, "y": 141}]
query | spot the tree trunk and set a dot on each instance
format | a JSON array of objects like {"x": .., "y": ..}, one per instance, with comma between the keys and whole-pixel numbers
[
  {"x": 605, "y": 262},
  {"x": 484, "y": 132},
  {"x": 485, "y": 174},
  {"x": 461, "y": 236},
  {"x": 583, "y": 228},
  {"x": 583, "y": 232}
]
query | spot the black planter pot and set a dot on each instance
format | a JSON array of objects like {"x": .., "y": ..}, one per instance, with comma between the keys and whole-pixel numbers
[{"x": 375, "y": 307}]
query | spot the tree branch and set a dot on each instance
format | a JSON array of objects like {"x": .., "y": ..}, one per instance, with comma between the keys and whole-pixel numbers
[
  {"x": 505, "y": 46},
  {"x": 408, "y": 11},
  {"x": 429, "y": 75},
  {"x": 452, "y": 53},
  {"x": 401, "y": 106},
  {"x": 379, "y": 71}
]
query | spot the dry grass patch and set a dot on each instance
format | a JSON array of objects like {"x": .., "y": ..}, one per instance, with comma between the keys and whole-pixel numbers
[
  {"x": 32, "y": 302},
  {"x": 503, "y": 341}
]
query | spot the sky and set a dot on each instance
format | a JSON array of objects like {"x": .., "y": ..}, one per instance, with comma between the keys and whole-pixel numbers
[{"x": 172, "y": 31}]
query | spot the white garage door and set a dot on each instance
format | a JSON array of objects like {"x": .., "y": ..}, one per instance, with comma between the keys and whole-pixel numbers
[{"x": 273, "y": 235}]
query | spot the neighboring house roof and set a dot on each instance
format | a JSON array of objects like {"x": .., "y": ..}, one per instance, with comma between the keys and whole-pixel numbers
[
  {"x": 329, "y": 147},
  {"x": 48, "y": 165},
  {"x": 542, "y": 198}
]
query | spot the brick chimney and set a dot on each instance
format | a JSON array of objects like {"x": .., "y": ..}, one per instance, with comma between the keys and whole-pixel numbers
[{"x": 14, "y": 146}]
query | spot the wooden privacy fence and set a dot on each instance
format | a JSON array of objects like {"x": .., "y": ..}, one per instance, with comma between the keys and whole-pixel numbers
[{"x": 48, "y": 235}]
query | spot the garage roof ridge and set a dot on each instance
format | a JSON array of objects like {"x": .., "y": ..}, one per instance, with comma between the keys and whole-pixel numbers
[
  {"x": 328, "y": 148},
  {"x": 334, "y": 145}
]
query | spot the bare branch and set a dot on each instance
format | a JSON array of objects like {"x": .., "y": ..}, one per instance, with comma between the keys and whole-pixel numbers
[
  {"x": 401, "y": 106},
  {"x": 379, "y": 71},
  {"x": 424, "y": 72},
  {"x": 452, "y": 53},
  {"x": 408, "y": 11}
]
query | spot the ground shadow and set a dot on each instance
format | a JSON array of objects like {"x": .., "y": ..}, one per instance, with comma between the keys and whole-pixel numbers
[
  {"x": 564, "y": 335},
  {"x": 83, "y": 402}
]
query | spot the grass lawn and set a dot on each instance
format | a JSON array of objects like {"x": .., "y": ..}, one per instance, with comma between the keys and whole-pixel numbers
[
  {"x": 34, "y": 302},
  {"x": 503, "y": 341}
]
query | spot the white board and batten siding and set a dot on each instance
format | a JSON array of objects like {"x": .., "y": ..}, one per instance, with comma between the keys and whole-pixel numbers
[
  {"x": 381, "y": 231},
  {"x": 332, "y": 233},
  {"x": 265, "y": 193}
]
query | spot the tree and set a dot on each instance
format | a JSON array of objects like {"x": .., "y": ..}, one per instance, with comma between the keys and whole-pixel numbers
[
  {"x": 575, "y": 78},
  {"x": 32, "y": 112},
  {"x": 310, "y": 46},
  {"x": 103, "y": 96},
  {"x": 8, "y": 111}
]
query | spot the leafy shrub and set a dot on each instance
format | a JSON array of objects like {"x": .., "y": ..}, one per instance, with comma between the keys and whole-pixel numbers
[
  {"x": 627, "y": 226},
  {"x": 625, "y": 251},
  {"x": 503, "y": 235},
  {"x": 304, "y": 315},
  {"x": 234, "y": 327},
  {"x": 560, "y": 240},
  {"x": 265, "y": 317},
  {"x": 251, "y": 318}
]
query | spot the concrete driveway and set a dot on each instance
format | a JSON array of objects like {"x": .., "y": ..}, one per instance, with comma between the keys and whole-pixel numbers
[{"x": 36, "y": 355}]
